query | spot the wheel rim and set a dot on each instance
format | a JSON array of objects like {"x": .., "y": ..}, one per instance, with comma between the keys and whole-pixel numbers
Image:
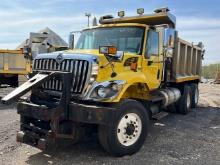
[
  {"x": 188, "y": 101},
  {"x": 129, "y": 129}
]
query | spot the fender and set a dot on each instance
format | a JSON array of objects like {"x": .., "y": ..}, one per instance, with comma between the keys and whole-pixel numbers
[{"x": 132, "y": 78}]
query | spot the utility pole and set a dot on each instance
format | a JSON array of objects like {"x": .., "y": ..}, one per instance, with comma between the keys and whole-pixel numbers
[{"x": 88, "y": 15}]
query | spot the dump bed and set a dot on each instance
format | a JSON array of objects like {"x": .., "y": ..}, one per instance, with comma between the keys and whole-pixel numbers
[
  {"x": 186, "y": 62},
  {"x": 14, "y": 62}
]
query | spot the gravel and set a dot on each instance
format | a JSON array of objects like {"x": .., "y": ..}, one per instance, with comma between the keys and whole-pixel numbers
[{"x": 174, "y": 139}]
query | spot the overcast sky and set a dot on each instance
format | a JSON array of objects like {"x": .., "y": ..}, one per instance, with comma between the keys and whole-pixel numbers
[{"x": 197, "y": 20}]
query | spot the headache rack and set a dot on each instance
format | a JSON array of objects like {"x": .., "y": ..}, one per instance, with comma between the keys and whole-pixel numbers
[{"x": 161, "y": 16}]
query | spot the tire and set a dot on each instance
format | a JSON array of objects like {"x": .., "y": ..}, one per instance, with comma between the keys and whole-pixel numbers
[
  {"x": 184, "y": 103},
  {"x": 195, "y": 95},
  {"x": 14, "y": 81},
  {"x": 127, "y": 133}
]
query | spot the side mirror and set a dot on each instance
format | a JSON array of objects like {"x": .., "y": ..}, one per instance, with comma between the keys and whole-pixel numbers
[
  {"x": 26, "y": 51},
  {"x": 71, "y": 41},
  {"x": 108, "y": 50},
  {"x": 119, "y": 55},
  {"x": 168, "y": 52},
  {"x": 169, "y": 35},
  {"x": 111, "y": 53}
]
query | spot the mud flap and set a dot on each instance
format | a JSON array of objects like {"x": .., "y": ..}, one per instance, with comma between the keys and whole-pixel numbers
[{"x": 26, "y": 87}]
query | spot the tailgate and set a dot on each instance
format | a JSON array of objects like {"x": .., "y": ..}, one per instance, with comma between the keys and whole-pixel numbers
[{"x": 14, "y": 62}]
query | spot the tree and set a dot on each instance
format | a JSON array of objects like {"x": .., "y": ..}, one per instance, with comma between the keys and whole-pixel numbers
[{"x": 210, "y": 71}]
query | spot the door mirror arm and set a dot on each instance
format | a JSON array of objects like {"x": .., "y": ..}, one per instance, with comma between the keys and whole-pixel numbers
[{"x": 71, "y": 41}]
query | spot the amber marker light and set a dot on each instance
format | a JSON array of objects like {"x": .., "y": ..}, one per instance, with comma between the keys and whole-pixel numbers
[
  {"x": 133, "y": 66},
  {"x": 112, "y": 50}
]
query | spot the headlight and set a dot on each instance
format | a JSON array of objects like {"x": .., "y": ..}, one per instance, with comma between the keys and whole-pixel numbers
[
  {"x": 102, "y": 92},
  {"x": 106, "y": 90}
]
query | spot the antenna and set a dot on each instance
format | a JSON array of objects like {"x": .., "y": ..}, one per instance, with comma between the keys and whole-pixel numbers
[{"x": 94, "y": 22}]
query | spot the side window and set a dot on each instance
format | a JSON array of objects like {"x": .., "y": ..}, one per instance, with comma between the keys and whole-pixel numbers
[{"x": 152, "y": 47}]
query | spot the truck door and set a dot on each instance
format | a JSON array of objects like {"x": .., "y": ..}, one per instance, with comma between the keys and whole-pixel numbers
[{"x": 151, "y": 63}]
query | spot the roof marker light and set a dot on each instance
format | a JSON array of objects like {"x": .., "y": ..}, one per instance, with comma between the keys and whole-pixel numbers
[
  {"x": 121, "y": 14},
  {"x": 140, "y": 11}
]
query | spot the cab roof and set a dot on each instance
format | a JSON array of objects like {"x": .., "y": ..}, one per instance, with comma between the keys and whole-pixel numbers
[
  {"x": 158, "y": 18},
  {"x": 116, "y": 25}
]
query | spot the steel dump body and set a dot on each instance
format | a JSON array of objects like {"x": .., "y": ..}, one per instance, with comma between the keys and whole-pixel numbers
[
  {"x": 186, "y": 61},
  {"x": 14, "y": 62}
]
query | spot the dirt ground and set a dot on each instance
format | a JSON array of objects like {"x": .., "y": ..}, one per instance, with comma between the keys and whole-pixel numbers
[{"x": 174, "y": 139}]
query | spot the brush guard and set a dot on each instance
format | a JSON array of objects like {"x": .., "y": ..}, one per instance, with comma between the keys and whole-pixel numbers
[
  {"x": 32, "y": 134},
  {"x": 65, "y": 110}
]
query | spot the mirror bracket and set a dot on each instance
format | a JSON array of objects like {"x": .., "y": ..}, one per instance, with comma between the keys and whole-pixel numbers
[{"x": 71, "y": 41}]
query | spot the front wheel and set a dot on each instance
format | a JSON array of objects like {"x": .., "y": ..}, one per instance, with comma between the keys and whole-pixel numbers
[{"x": 128, "y": 131}]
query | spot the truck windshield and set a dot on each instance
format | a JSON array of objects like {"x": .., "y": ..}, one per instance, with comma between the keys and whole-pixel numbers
[{"x": 127, "y": 39}]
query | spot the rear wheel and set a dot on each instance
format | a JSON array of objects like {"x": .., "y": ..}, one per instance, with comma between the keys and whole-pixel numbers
[
  {"x": 128, "y": 131},
  {"x": 195, "y": 95},
  {"x": 184, "y": 103}
]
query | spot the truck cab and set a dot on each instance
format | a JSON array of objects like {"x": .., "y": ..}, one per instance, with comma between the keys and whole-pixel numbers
[{"x": 119, "y": 74}]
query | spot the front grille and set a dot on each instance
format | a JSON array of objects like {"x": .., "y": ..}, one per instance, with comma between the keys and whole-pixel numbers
[{"x": 79, "y": 68}]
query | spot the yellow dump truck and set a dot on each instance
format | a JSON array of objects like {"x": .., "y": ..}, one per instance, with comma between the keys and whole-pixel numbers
[
  {"x": 117, "y": 76},
  {"x": 12, "y": 64}
]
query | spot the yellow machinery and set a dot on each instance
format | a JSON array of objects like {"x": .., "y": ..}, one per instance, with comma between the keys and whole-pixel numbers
[
  {"x": 19, "y": 62},
  {"x": 12, "y": 64},
  {"x": 111, "y": 82}
]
